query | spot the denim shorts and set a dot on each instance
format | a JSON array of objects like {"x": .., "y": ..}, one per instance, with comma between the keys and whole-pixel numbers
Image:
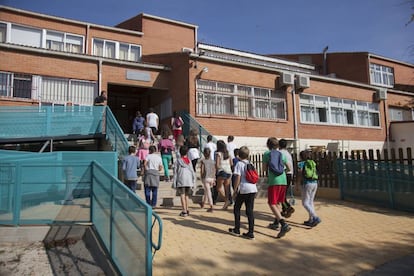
[{"x": 223, "y": 174}]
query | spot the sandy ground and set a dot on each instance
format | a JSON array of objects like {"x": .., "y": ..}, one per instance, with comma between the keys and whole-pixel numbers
[{"x": 24, "y": 259}]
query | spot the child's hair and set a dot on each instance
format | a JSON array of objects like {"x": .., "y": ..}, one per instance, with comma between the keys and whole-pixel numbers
[
  {"x": 244, "y": 152},
  {"x": 222, "y": 147},
  {"x": 183, "y": 150},
  {"x": 152, "y": 149},
  {"x": 236, "y": 152},
  {"x": 305, "y": 155},
  {"x": 282, "y": 143},
  {"x": 206, "y": 153},
  {"x": 272, "y": 143},
  {"x": 132, "y": 149}
]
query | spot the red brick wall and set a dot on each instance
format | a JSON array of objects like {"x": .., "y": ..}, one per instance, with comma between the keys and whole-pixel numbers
[{"x": 46, "y": 65}]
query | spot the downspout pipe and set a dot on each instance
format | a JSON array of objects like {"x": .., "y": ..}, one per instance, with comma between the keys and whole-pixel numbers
[
  {"x": 99, "y": 76},
  {"x": 325, "y": 69},
  {"x": 295, "y": 118}
]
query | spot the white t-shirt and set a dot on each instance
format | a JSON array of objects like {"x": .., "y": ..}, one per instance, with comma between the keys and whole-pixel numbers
[
  {"x": 154, "y": 161},
  {"x": 244, "y": 187},
  {"x": 289, "y": 159},
  {"x": 152, "y": 120},
  {"x": 213, "y": 147},
  {"x": 230, "y": 148}
]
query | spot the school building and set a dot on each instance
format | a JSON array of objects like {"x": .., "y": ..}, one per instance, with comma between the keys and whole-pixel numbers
[{"x": 334, "y": 101}]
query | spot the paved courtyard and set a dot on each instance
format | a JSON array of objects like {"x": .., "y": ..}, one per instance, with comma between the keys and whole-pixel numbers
[{"x": 352, "y": 239}]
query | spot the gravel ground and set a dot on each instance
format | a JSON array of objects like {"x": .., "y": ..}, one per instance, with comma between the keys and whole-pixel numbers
[{"x": 24, "y": 259}]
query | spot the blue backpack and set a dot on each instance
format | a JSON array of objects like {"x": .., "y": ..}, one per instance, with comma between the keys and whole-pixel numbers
[{"x": 276, "y": 165}]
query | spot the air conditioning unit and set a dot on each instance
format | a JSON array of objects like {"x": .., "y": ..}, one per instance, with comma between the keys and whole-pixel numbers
[
  {"x": 302, "y": 81},
  {"x": 286, "y": 79},
  {"x": 381, "y": 94}
]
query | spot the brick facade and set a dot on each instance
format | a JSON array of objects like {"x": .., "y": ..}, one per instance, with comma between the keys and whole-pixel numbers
[{"x": 173, "y": 74}]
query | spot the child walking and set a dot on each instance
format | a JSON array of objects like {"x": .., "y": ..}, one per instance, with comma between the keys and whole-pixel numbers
[
  {"x": 244, "y": 192},
  {"x": 309, "y": 187},
  {"x": 208, "y": 178},
  {"x": 152, "y": 167},
  {"x": 184, "y": 179},
  {"x": 129, "y": 167}
]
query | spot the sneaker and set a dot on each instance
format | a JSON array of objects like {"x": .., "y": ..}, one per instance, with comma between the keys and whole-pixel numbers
[
  {"x": 274, "y": 225},
  {"x": 183, "y": 214},
  {"x": 283, "y": 230},
  {"x": 315, "y": 222},
  {"x": 234, "y": 232},
  {"x": 210, "y": 210},
  {"x": 307, "y": 222},
  {"x": 289, "y": 212},
  {"x": 248, "y": 235}
]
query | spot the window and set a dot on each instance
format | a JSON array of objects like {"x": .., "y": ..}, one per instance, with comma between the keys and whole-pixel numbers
[
  {"x": 381, "y": 75},
  {"x": 74, "y": 44},
  {"x": 3, "y": 32},
  {"x": 64, "y": 42},
  {"x": 5, "y": 84},
  {"x": 129, "y": 52},
  {"x": 104, "y": 48},
  {"x": 49, "y": 90},
  {"x": 400, "y": 114},
  {"x": 22, "y": 86},
  {"x": 62, "y": 91},
  {"x": 54, "y": 41},
  {"x": 336, "y": 111},
  {"x": 26, "y": 36},
  {"x": 239, "y": 100},
  {"x": 113, "y": 49}
]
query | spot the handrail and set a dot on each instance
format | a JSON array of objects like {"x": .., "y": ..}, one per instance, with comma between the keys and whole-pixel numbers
[
  {"x": 158, "y": 245},
  {"x": 191, "y": 123},
  {"x": 115, "y": 134}
]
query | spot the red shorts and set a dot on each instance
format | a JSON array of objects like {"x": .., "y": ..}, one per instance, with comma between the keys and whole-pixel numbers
[
  {"x": 276, "y": 194},
  {"x": 177, "y": 132}
]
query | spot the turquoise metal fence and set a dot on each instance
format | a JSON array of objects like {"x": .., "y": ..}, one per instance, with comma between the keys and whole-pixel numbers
[
  {"x": 48, "y": 121},
  {"x": 191, "y": 123},
  {"x": 124, "y": 223},
  {"x": 115, "y": 134},
  {"x": 37, "y": 188},
  {"x": 381, "y": 183},
  {"x": 73, "y": 187}
]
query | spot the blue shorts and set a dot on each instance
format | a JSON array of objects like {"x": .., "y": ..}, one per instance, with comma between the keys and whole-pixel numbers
[{"x": 223, "y": 174}]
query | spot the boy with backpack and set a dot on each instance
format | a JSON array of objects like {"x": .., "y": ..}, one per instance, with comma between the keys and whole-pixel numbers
[
  {"x": 309, "y": 187},
  {"x": 287, "y": 209},
  {"x": 244, "y": 192},
  {"x": 274, "y": 162}
]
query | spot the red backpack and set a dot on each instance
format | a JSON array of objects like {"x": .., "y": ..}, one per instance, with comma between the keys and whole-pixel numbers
[{"x": 251, "y": 174}]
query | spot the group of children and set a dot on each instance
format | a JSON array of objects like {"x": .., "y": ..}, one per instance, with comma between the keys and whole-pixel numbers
[{"x": 218, "y": 170}]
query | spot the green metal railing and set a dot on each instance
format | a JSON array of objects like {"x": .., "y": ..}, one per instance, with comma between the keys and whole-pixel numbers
[
  {"x": 49, "y": 122},
  {"x": 115, "y": 134},
  {"x": 191, "y": 123},
  {"x": 382, "y": 183},
  {"x": 76, "y": 187}
]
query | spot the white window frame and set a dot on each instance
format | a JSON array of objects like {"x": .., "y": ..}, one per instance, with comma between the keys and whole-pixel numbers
[
  {"x": 25, "y": 35},
  {"x": 220, "y": 98},
  {"x": 338, "y": 111},
  {"x": 3, "y": 32},
  {"x": 381, "y": 75},
  {"x": 108, "y": 45}
]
